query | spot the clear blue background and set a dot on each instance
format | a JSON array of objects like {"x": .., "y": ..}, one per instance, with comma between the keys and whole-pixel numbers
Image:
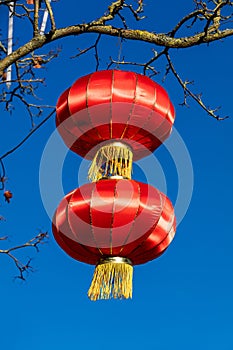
[{"x": 184, "y": 299}]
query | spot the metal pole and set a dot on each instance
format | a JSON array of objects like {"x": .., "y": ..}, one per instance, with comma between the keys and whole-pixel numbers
[
  {"x": 44, "y": 21},
  {"x": 10, "y": 42}
]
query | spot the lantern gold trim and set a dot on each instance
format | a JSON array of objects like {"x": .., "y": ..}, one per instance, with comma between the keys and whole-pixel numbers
[{"x": 113, "y": 278}]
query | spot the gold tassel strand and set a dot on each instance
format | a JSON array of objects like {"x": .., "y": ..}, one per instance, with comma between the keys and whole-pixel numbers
[
  {"x": 113, "y": 159},
  {"x": 113, "y": 278}
]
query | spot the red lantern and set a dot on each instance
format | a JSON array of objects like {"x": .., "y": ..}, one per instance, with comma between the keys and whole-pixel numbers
[
  {"x": 108, "y": 106},
  {"x": 114, "y": 224}
]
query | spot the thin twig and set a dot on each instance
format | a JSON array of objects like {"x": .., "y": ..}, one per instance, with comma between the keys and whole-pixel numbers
[
  {"x": 94, "y": 47},
  {"x": 28, "y": 136},
  {"x": 123, "y": 62},
  {"x": 188, "y": 92},
  {"x": 137, "y": 11},
  {"x": 153, "y": 59},
  {"x": 113, "y": 10},
  {"x": 184, "y": 20},
  {"x": 23, "y": 268}
]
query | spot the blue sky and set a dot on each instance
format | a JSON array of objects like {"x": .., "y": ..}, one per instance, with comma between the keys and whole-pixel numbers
[{"x": 183, "y": 300}]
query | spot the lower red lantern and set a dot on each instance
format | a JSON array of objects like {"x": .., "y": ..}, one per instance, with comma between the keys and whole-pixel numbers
[{"x": 114, "y": 224}]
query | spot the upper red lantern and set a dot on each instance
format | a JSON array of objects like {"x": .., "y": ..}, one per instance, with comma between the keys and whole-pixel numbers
[{"x": 114, "y": 105}]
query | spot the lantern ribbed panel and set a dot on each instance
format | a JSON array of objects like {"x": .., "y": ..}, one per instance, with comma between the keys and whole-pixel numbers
[
  {"x": 114, "y": 105},
  {"x": 122, "y": 218}
]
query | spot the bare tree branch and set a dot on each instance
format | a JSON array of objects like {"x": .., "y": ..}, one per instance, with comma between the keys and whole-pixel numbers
[
  {"x": 36, "y": 18},
  {"x": 95, "y": 47},
  {"x": 24, "y": 267},
  {"x": 25, "y": 84},
  {"x": 188, "y": 92},
  {"x": 2, "y": 47},
  {"x": 99, "y": 26},
  {"x": 113, "y": 9},
  {"x": 210, "y": 14},
  {"x": 136, "y": 12},
  {"x": 206, "y": 23}
]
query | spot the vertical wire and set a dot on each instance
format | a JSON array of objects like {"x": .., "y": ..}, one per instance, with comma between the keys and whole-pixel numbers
[{"x": 119, "y": 52}]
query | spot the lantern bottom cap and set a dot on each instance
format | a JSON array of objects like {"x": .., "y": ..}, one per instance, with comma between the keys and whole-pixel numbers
[
  {"x": 113, "y": 278},
  {"x": 115, "y": 259}
]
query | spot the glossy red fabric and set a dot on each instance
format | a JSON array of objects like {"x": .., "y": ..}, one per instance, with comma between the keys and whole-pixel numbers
[
  {"x": 114, "y": 105},
  {"x": 114, "y": 218}
]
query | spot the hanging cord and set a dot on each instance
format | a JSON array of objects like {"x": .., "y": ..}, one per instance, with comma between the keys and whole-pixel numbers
[{"x": 120, "y": 40}]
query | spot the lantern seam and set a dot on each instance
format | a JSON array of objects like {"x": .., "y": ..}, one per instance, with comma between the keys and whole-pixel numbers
[
  {"x": 112, "y": 89},
  {"x": 154, "y": 248},
  {"x": 71, "y": 114},
  {"x": 171, "y": 221},
  {"x": 75, "y": 252},
  {"x": 112, "y": 217},
  {"x": 169, "y": 111},
  {"x": 88, "y": 112},
  {"x": 68, "y": 104},
  {"x": 152, "y": 227},
  {"x": 67, "y": 218},
  {"x": 149, "y": 115},
  {"x": 133, "y": 223},
  {"x": 91, "y": 221},
  {"x": 132, "y": 107}
]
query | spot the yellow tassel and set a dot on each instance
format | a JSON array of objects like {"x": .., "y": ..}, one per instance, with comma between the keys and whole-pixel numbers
[
  {"x": 114, "y": 159},
  {"x": 112, "y": 279}
]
